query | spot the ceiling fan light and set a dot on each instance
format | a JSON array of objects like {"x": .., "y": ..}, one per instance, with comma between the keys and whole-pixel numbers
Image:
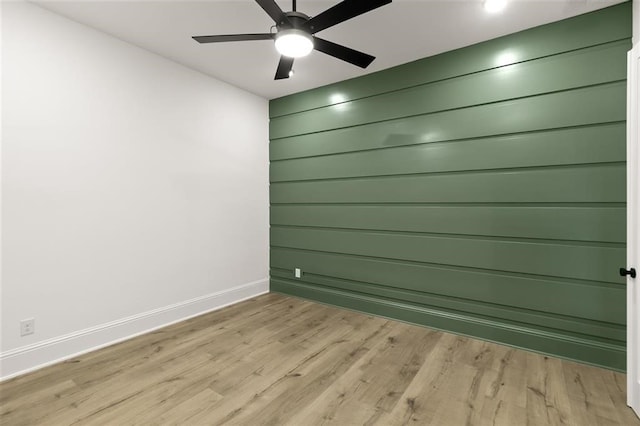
[{"x": 293, "y": 43}]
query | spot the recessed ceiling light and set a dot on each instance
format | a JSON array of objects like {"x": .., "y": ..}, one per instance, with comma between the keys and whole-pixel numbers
[{"x": 493, "y": 6}]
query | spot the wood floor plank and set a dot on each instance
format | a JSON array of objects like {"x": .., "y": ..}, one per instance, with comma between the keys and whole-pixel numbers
[
  {"x": 425, "y": 393},
  {"x": 547, "y": 401},
  {"x": 278, "y": 360},
  {"x": 376, "y": 381},
  {"x": 308, "y": 378}
]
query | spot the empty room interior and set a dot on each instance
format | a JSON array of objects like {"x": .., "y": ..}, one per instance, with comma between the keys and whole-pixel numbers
[{"x": 322, "y": 212}]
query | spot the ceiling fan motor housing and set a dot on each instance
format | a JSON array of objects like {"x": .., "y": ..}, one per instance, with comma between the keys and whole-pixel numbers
[{"x": 296, "y": 19}]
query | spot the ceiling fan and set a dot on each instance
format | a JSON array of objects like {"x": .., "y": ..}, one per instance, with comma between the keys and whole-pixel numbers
[{"x": 294, "y": 36}]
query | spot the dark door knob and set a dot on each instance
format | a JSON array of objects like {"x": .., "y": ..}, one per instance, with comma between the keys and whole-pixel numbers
[{"x": 631, "y": 272}]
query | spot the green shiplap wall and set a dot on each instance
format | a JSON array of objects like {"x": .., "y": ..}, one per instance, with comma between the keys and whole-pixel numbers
[{"x": 480, "y": 191}]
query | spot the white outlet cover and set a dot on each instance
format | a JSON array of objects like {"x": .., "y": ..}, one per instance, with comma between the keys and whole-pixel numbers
[
  {"x": 298, "y": 273},
  {"x": 27, "y": 327}
]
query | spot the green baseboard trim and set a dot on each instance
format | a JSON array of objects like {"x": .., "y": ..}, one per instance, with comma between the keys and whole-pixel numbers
[{"x": 600, "y": 354}]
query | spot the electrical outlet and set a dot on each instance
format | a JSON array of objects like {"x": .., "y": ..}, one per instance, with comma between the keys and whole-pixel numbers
[
  {"x": 27, "y": 326},
  {"x": 298, "y": 273}
]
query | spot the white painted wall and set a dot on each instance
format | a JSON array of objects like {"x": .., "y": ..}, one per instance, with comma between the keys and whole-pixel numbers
[{"x": 134, "y": 190}]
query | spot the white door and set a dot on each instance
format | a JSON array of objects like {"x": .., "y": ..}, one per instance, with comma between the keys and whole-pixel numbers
[{"x": 633, "y": 230}]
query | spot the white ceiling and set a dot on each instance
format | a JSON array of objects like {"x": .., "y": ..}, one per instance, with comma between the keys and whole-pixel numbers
[{"x": 400, "y": 32}]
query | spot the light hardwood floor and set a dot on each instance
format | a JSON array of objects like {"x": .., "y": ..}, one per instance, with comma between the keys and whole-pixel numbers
[{"x": 279, "y": 360}]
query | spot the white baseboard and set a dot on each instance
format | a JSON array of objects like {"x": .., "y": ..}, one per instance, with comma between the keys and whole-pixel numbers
[{"x": 28, "y": 358}]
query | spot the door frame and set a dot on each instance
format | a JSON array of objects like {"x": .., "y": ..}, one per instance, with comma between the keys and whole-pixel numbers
[{"x": 633, "y": 228}]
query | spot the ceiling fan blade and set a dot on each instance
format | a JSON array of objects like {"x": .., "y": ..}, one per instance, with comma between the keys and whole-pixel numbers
[
  {"x": 273, "y": 10},
  {"x": 231, "y": 37},
  {"x": 342, "y": 52},
  {"x": 341, "y": 12},
  {"x": 284, "y": 67}
]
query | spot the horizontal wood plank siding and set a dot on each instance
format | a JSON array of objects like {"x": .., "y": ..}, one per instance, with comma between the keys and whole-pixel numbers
[
  {"x": 605, "y": 26},
  {"x": 589, "y": 106},
  {"x": 468, "y": 194},
  {"x": 589, "y": 224}
]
